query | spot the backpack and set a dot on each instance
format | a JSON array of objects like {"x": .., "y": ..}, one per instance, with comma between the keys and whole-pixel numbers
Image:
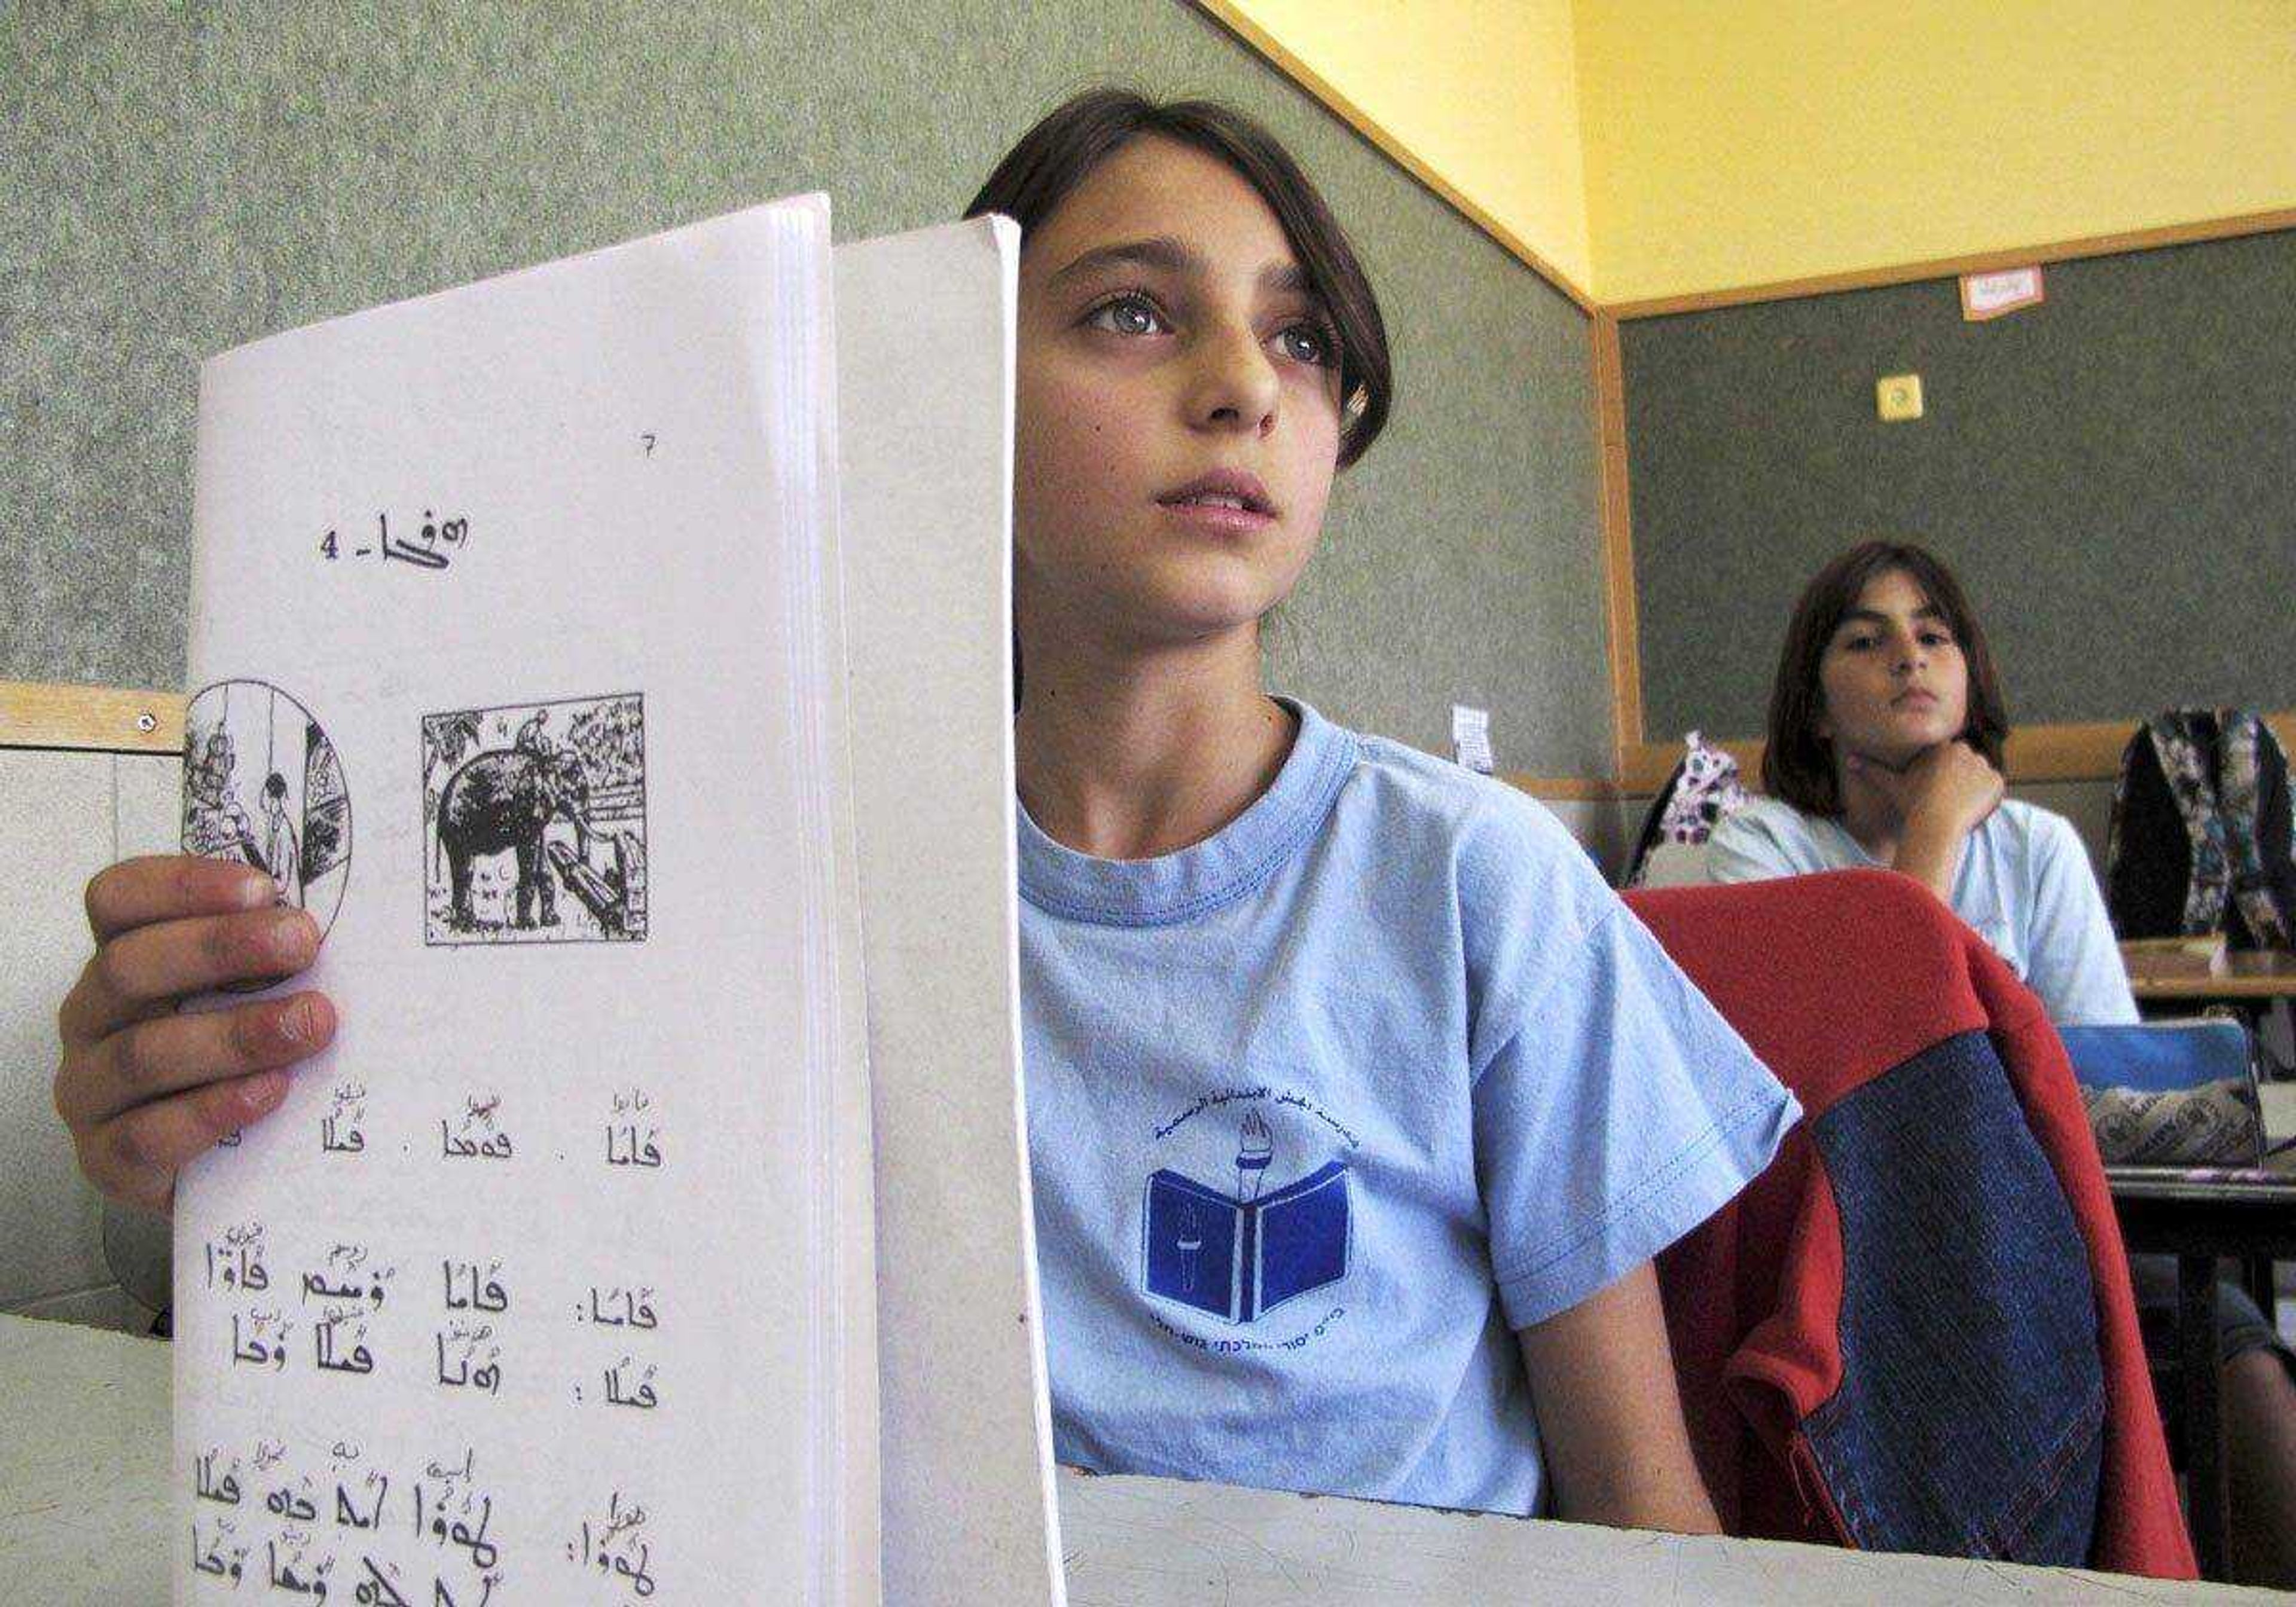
[
  {"x": 1703, "y": 791},
  {"x": 2202, "y": 838}
]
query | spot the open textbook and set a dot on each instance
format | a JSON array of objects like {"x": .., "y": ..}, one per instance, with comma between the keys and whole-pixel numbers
[{"x": 571, "y": 645}]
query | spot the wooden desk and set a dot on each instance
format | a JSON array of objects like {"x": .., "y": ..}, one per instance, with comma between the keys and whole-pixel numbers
[
  {"x": 2198, "y": 1217},
  {"x": 2256, "y": 977},
  {"x": 87, "y": 1519}
]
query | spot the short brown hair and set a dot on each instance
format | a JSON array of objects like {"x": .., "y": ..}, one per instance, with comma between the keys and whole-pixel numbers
[
  {"x": 1061, "y": 151},
  {"x": 1797, "y": 762}
]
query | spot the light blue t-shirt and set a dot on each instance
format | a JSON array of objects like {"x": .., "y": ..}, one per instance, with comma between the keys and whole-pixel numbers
[
  {"x": 1320, "y": 1107},
  {"x": 2024, "y": 882}
]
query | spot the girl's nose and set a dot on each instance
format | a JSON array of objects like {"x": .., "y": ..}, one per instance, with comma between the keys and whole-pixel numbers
[{"x": 1235, "y": 387}]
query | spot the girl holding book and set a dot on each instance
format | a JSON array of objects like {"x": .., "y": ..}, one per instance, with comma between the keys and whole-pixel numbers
[{"x": 1358, "y": 1105}]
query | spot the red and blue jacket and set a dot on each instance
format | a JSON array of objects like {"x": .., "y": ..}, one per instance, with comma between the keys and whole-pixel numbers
[{"x": 1915, "y": 1331}]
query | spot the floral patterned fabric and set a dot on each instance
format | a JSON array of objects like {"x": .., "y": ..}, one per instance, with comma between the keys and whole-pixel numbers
[
  {"x": 2238, "y": 771},
  {"x": 2219, "y": 805},
  {"x": 1706, "y": 788},
  {"x": 2176, "y": 739}
]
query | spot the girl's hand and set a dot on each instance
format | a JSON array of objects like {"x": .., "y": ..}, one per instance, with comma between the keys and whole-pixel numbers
[
  {"x": 144, "y": 1089},
  {"x": 1950, "y": 789},
  {"x": 1939, "y": 800}
]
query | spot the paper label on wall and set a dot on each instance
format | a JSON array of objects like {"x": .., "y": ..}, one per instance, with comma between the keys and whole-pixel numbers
[
  {"x": 1989, "y": 295},
  {"x": 1471, "y": 737}
]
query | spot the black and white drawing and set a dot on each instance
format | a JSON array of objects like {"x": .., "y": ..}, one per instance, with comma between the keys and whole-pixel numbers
[
  {"x": 528, "y": 801},
  {"x": 263, "y": 785}
]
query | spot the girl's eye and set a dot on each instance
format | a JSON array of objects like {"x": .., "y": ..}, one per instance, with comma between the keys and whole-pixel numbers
[
  {"x": 1309, "y": 342},
  {"x": 1936, "y": 638},
  {"x": 1857, "y": 644},
  {"x": 1128, "y": 314}
]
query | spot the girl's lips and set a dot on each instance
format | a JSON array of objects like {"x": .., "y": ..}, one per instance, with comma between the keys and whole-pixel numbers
[
  {"x": 1914, "y": 700},
  {"x": 1211, "y": 518}
]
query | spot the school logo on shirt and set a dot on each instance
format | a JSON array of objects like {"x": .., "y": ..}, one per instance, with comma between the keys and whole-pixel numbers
[{"x": 1270, "y": 1225}]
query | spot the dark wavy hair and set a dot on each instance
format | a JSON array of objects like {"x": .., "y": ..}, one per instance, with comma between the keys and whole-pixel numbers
[
  {"x": 1062, "y": 150},
  {"x": 1797, "y": 762}
]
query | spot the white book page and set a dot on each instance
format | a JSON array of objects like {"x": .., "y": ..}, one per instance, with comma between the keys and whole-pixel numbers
[
  {"x": 529, "y": 1293},
  {"x": 926, "y": 352}
]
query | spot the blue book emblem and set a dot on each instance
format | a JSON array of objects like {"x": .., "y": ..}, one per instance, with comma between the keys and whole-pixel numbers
[{"x": 1239, "y": 1258}]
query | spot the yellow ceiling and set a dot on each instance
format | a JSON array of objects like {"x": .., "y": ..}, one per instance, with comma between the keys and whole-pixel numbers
[{"x": 1648, "y": 148}]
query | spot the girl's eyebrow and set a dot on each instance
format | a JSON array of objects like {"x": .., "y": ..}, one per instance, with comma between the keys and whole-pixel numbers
[
  {"x": 1175, "y": 257},
  {"x": 1867, "y": 616}
]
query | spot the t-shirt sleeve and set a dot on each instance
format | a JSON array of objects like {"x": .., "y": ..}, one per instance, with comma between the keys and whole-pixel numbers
[
  {"x": 2071, "y": 961},
  {"x": 1753, "y": 845},
  {"x": 1614, "y": 1109}
]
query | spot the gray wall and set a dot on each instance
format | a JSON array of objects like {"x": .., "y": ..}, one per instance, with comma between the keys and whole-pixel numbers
[
  {"x": 183, "y": 178},
  {"x": 2109, "y": 474}
]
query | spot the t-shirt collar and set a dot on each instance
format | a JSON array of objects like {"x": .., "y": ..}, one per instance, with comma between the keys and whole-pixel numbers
[{"x": 1225, "y": 866}]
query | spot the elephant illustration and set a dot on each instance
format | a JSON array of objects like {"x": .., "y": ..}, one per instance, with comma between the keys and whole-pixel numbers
[{"x": 503, "y": 800}]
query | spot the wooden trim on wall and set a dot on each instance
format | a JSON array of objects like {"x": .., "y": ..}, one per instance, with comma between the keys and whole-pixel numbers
[
  {"x": 1644, "y": 767},
  {"x": 1623, "y": 637},
  {"x": 111, "y": 720},
  {"x": 2074, "y": 751},
  {"x": 2089, "y": 751},
  {"x": 1259, "y": 39},
  {"x": 1946, "y": 267}
]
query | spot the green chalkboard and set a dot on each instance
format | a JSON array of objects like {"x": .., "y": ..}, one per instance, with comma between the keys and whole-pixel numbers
[
  {"x": 183, "y": 178},
  {"x": 2111, "y": 473}
]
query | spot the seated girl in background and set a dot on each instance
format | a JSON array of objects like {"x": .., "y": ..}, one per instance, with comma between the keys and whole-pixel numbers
[
  {"x": 1884, "y": 749},
  {"x": 1357, "y": 1104}
]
